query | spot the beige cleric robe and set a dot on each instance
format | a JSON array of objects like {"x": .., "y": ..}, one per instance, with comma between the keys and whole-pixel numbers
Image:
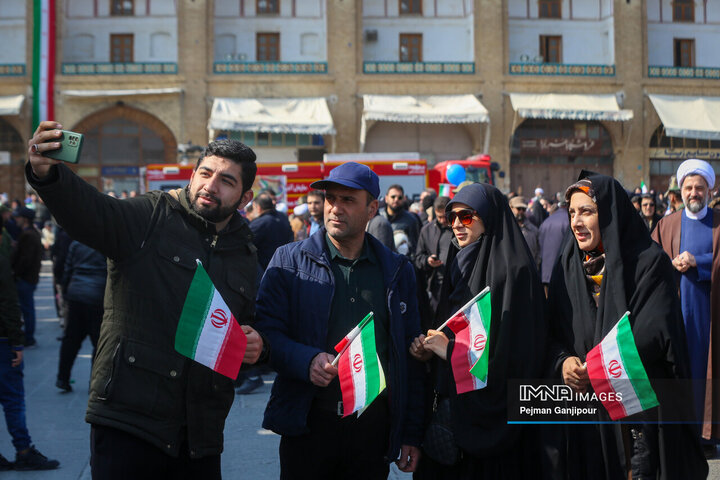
[{"x": 667, "y": 234}]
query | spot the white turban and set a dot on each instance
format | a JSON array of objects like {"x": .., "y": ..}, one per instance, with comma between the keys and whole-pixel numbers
[
  {"x": 539, "y": 191},
  {"x": 694, "y": 166},
  {"x": 301, "y": 209}
]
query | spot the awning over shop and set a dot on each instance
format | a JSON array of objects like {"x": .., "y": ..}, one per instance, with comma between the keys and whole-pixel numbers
[
  {"x": 559, "y": 106},
  {"x": 421, "y": 109},
  {"x": 688, "y": 117},
  {"x": 10, "y": 105},
  {"x": 121, "y": 93},
  {"x": 309, "y": 116}
]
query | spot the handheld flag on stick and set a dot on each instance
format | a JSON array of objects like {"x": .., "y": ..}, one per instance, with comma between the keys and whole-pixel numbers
[
  {"x": 361, "y": 375},
  {"x": 615, "y": 368},
  {"x": 343, "y": 344},
  {"x": 207, "y": 331},
  {"x": 471, "y": 326}
]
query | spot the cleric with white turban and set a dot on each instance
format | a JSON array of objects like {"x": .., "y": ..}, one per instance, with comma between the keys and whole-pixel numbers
[
  {"x": 693, "y": 166},
  {"x": 688, "y": 237}
]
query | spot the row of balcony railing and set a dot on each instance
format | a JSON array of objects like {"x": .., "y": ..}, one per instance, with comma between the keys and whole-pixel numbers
[{"x": 370, "y": 68}]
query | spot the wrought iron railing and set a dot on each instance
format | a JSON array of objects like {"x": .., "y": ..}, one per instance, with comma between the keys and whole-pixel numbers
[
  {"x": 655, "y": 71},
  {"x": 562, "y": 69},
  {"x": 269, "y": 68},
  {"x": 131, "y": 68},
  {"x": 419, "y": 67},
  {"x": 12, "y": 69}
]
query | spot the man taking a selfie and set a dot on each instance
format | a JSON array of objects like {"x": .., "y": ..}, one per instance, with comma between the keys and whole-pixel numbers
[{"x": 154, "y": 412}]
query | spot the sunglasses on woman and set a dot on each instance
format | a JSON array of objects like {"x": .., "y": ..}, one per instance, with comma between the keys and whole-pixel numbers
[{"x": 465, "y": 217}]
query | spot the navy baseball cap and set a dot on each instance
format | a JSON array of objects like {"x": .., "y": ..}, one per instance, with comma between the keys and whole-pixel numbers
[
  {"x": 24, "y": 212},
  {"x": 353, "y": 175}
]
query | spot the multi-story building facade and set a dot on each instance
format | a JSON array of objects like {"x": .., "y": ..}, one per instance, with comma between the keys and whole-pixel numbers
[{"x": 546, "y": 87}]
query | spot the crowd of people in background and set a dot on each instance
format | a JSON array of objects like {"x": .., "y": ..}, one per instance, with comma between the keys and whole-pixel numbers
[{"x": 523, "y": 249}]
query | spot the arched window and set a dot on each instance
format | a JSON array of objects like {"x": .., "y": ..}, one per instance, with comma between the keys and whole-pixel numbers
[
  {"x": 120, "y": 141},
  {"x": 667, "y": 153}
]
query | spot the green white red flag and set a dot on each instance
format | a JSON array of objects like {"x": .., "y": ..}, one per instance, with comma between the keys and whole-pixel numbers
[
  {"x": 361, "y": 375},
  {"x": 444, "y": 190},
  {"x": 43, "y": 60},
  {"x": 470, "y": 356},
  {"x": 207, "y": 331},
  {"x": 342, "y": 344},
  {"x": 615, "y": 369}
]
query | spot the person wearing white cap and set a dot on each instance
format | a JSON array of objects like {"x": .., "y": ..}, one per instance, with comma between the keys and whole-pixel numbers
[
  {"x": 691, "y": 237},
  {"x": 537, "y": 213}
]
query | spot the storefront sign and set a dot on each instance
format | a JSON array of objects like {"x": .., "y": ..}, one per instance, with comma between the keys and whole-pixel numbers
[
  {"x": 560, "y": 146},
  {"x": 683, "y": 153}
]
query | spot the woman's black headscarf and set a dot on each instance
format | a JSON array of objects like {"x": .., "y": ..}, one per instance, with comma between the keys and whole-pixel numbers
[
  {"x": 638, "y": 278},
  {"x": 502, "y": 261}
]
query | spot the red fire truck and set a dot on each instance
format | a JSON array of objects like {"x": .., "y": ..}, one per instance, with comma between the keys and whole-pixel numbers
[{"x": 290, "y": 181}]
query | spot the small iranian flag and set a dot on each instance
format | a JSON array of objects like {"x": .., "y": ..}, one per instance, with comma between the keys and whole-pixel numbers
[
  {"x": 207, "y": 331},
  {"x": 643, "y": 186},
  {"x": 615, "y": 369},
  {"x": 471, "y": 326},
  {"x": 359, "y": 369},
  {"x": 444, "y": 190},
  {"x": 342, "y": 344}
]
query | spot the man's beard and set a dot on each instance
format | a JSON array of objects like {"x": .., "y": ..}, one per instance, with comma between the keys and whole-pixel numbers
[
  {"x": 216, "y": 213},
  {"x": 695, "y": 205}
]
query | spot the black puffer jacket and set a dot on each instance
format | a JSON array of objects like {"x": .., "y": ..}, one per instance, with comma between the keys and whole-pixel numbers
[{"x": 140, "y": 384}]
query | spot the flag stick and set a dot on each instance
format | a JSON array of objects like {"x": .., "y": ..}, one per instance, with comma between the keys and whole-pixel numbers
[
  {"x": 352, "y": 335},
  {"x": 484, "y": 291}
]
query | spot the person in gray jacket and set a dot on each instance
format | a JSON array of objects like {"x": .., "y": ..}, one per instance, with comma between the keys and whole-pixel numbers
[{"x": 83, "y": 287}]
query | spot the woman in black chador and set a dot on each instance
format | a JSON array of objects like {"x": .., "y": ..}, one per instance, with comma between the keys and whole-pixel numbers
[
  {"x": 492, "y": 253},
  {"x": 610, "y": 266}
]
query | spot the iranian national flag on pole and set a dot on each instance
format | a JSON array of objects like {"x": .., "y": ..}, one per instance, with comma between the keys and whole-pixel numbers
[
  {"x": 43, "y": 60},
  {"x": 207, "y": 331},
  {"x": 471, "y": 326},
  {"x": 615, "y": 368},
  {"x": 359, "y": 369}
]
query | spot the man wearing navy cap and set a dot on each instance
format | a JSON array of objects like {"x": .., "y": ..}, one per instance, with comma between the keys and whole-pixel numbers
[{"x": 312, "y": 294}]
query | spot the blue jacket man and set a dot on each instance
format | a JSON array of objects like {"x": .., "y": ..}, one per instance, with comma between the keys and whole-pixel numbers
[
  {"x": 296, "y": 308},
  {"x": 270, "y": 228}
]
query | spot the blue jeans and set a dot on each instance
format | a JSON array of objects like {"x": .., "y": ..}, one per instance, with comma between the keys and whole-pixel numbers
[
  {"x": 12, "y": 397},
  {"x": 26, "y": 298}
]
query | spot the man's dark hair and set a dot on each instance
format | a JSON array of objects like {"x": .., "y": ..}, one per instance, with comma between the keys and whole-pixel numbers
[
  {"x": 396, "y": 186},
  {"x": 440, "y": 203},
  {"x": 264, "y": 201},
  {"x": 239, "y": 153},
  {"x": 647, "y": 195},
  {"x": 317, "y": 193}
]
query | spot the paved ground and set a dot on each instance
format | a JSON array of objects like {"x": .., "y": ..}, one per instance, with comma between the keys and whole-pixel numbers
[{"x": 57, "y": 426}]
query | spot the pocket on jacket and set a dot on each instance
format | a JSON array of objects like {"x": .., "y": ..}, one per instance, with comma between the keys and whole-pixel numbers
[
  {"x": 147, "y": 380},
  {"x": 243, "y": 293},
  {"x": 178, "y": 255}
]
